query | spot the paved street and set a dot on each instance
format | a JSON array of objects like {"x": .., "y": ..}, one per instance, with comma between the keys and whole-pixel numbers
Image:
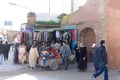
[{"x": 10, "y": 71}]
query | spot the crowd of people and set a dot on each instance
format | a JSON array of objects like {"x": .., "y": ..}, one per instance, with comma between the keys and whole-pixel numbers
[
  {"x": 4, "y": 50},
  {"x": 25, "y": 54},
  {"x": 31, "y": 54},
  {"x": 100, "y": 60}
]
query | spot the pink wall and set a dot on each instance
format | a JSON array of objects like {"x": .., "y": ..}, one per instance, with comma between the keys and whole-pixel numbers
[
  {"x": 113, "y": 32},
  {"x": 89, "y": 12},
  {"x": 108, "y": 27}
]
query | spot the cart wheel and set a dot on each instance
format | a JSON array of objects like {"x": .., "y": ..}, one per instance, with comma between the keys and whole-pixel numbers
[{"x": 54, "y": 66}]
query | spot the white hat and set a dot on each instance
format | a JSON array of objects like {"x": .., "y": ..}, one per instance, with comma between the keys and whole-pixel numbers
[{"x": 93, "y": 45}]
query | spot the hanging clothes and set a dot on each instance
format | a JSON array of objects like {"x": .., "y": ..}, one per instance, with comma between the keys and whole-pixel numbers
[
  {"x": 34, "y": 35},
  {"x": 57, "y": 34},
  {"x": 67, "y": 37},
  {"x": 38, "y": 36},
  {"x": 54, "y": 36},
  {"x": 73, "y": 33},
  {"x": 45, "y": 36},
  {"x": 74, "y": 39},
  {"x": 30, "y": 38},
  {"x": 21, "y": 38},
  {"x": 61, "y": 35},
  {"x": 42, "y": 36},
  {"x": 49, "y": 36},
  {"x": 24, "y": 38},
  {"x": 27, "y": 37}
]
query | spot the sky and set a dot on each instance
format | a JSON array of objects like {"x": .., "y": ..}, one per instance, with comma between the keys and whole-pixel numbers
[{"x": 18, "y": 14}]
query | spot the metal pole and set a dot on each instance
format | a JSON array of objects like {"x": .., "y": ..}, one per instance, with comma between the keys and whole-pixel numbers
[
  {"x": 21, "y": 6},
  {"x": 49, "y": 6},
  {"x": 63, "y": 6},
  {"x": 71, "y": 6}
]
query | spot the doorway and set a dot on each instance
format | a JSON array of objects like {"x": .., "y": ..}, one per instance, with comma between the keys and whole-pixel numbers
[{"x": 88, "y": 37}]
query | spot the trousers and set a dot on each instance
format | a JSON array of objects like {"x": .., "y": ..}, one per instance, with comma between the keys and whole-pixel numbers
[
  {"x": 1, "y": 58},
  {"x": 102, "y": 68}
]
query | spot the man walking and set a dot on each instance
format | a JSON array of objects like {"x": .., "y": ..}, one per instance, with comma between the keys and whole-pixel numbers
[
  {"x": 1, "y": 52},
  {"x": 65, "y": 50},
  {"x": 102, "y": 61}
]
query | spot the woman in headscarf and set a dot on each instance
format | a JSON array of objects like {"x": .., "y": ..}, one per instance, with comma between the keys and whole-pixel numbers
[
  {"x": 83, "y": 58},
  {"x": 33, "y": 55}
]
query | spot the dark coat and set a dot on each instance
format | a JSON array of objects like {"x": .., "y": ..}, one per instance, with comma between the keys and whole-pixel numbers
[
  {"x": 96, "y": 64},
  {"x": 83, "y": 63},
  {"x": 77, "y": 53},
  {"x": 102, "y": 55},
  {"x": 6, "y": 50},
  {"x": 2, "y": 50},
  {"x": 16, "y": 60}
]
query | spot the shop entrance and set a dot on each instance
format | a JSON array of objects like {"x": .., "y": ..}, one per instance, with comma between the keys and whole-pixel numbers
[{"x": 87, "y": 36}]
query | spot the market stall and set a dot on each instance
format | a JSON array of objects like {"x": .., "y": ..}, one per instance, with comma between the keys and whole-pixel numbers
[{"x": 49, "y": 57}]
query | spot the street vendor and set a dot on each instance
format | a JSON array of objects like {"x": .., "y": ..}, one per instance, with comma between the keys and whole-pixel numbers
[{"x": 65, "y": 50}]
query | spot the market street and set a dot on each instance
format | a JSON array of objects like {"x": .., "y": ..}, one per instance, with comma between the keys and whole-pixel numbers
[{"x": 10, "y": 71}]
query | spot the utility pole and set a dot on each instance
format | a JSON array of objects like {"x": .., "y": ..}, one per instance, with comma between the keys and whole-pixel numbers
[
  {"x": 49, "y": 6},
  {"x": 72, "y": 4},
  {"x": 20, "y": 6},
  {"x": 63, "y": 6}
]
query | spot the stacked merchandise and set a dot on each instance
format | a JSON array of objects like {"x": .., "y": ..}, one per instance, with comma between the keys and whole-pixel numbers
[{"x": 49, "y": 54}]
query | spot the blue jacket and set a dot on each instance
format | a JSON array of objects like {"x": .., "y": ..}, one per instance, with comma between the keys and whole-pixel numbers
[
  {"x": 65, "y": 50},
  {"x": 102, "y": 55}
]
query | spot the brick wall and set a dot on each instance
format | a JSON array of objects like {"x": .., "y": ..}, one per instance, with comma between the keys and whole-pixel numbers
[
  {"x": 90, "y": 15},
  {"x": 87, "y": 18},
  {"x": 89, "y": 12},
  {"x": 113, "y": 32},
  {"x": 103, "y": 16}
]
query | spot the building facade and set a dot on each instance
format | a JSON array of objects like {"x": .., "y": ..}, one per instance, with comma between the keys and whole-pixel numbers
[{"x": 96, "y": 20}]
